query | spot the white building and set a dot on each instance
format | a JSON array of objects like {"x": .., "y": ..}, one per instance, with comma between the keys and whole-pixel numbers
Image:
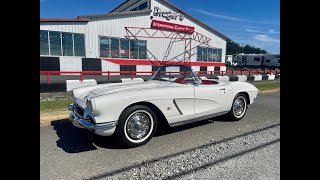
[{"x": 137, "y": 35}]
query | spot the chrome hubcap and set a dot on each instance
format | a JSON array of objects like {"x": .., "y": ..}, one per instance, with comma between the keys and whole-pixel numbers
[
  {"x": 138, "y": 125},
  {"x": 239, "y": 106}
]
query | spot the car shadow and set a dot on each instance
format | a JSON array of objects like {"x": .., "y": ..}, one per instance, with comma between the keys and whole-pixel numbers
[{"x": 77, "y": 140}]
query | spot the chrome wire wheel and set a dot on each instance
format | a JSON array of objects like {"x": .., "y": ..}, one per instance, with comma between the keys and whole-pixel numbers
[
  {"x": 239, "y": 107},
  {"x": 138, "y": 126}
]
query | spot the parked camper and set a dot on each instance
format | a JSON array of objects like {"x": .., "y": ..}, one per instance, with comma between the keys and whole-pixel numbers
[{"x": 257, "y": 60}]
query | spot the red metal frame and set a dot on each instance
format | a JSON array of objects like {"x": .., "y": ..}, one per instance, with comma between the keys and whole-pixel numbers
[{"x": 140, "y": 32}]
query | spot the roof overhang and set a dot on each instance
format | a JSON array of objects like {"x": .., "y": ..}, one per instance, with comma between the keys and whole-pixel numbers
[
  {"x": 64, "y": 20},
  {"x": 116, "y": 14}
]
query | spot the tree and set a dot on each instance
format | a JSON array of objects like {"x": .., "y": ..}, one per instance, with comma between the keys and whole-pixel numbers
[{"x": 235, "y": 48}]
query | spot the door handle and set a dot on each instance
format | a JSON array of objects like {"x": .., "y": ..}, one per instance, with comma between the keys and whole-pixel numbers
[{"x": 223, "y": 89}]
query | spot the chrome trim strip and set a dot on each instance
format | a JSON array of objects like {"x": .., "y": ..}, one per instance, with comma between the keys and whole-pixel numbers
[
  {"x": 175, "y": 104},
  {"x": 89, "y": 125}
]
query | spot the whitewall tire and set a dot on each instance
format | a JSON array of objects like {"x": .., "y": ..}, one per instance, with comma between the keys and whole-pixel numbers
[
  {"x": 239, "y": 107},
  {"x": 136, "y": 126}
]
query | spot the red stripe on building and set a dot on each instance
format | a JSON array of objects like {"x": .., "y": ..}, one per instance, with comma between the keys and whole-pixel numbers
[{"x": 147, "y": 62}]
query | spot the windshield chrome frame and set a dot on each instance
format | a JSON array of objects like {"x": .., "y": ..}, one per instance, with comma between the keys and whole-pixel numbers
[{"x": 196, "y": 79}]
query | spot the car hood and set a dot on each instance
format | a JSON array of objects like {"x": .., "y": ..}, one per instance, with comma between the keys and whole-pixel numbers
[{"x": 105, "y": 89}]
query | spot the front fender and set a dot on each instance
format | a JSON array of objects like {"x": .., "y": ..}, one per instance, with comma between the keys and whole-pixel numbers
[{"x": 239, "y": 87}]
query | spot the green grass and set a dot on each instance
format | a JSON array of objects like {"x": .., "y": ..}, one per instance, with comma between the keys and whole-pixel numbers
[
  {"x": 268, "y": 86},
  {"x": 58, "y": 105}
]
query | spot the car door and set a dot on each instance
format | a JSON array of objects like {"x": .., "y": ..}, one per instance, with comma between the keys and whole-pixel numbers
[{"x": 211, "y": 99}]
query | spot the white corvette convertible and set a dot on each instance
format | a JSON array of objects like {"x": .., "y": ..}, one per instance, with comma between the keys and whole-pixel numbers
[{"x": 174, "y": 95}]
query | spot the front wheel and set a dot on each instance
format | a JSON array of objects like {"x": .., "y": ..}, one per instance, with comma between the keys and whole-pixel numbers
[
  {"x": 136, "y": 126},
  {"x": 239, "y": 107}
]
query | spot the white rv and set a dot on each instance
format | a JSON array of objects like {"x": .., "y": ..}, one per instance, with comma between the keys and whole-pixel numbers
[
  {"x": 272, "y": 60},
  {"x": 257, "y": 60}
]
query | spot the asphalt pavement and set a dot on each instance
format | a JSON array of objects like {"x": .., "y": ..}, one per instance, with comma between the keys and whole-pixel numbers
[{"x": 210, "y": 149}]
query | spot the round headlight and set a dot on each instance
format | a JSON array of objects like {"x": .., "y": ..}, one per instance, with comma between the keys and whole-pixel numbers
[{"x": 89, "y": 104}]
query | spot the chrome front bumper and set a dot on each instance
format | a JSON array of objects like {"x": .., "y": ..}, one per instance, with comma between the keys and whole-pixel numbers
[
  {"x": 103, "y": 129},
  {"x": 83, "y": 123}
]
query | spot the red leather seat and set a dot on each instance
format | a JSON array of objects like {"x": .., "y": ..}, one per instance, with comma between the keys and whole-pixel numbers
[
  {"x": 208, "y": 82},
  {"x": 179, "y": 80}
]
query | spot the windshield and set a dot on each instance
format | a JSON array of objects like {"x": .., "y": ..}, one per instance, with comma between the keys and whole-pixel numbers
[{"x": 176, "y": 74}]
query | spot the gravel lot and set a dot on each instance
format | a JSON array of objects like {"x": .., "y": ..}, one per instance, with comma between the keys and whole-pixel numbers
[
  {"x": 213, "y": 149},
  {"x": 221, "y": 156}
]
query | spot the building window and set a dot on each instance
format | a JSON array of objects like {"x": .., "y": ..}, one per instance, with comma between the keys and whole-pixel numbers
[
  {"x": 134, "y": 49},
  {"x": 134, "y": 9},
  {"x": 204, "y": 54},
  {"x": 54, "y": 43},
  {"x": 215, "y": 55},
  {"x": 199, "y": 53},
  {"x": 140, "y": 7},
  {"x": 78, "y": 40},
  {"x": 209, "y": 54},
  {"x": 104, "y": 47},
  {"x": 267, "y": 60},
  {"x": 124, "y": 48},
  {"x": 142, "y": 50},
  {"x": 44, "y": 43},
  {"x": 219, "y": 55},
  {"x": 114, "y": 47},
  {"x": 143, "y": 6},
  {"x": 111, "y": 47},
  {"x": 67, "y": 44}
]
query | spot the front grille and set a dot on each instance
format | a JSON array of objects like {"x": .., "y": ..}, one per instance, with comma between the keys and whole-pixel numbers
[{"x": 79, "y": 110}]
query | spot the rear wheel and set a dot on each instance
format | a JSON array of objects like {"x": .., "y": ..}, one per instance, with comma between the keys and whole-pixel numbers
[
  {"x": 239, "y": 107},
  {"x": 136, "y": 126}
]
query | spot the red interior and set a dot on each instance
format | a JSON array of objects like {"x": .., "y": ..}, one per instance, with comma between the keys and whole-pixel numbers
[
  {"x": 208, "y": 82},
  {"x": 182, "y": 81},
  {"x": 179, "y": 80}
]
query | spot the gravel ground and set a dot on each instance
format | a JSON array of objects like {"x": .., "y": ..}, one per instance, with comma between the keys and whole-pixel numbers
[
  {"x": 258, "y": 164},
  {"x": 216, "y": 160}
]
